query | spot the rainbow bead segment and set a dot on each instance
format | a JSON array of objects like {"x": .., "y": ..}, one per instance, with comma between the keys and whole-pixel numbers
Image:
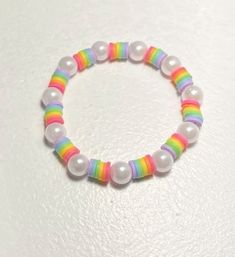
[
  {"x": 191, "y": 112},
  {"x": 99, "y": 170},
  {"x": 53, "y": 113},
  {"x": 181, "y": 78},
  {"x": 59, "y": 80},
  {"x": 142, "y": 167},
  {"x": 175, "y": 145},
  {"x": 85, "y": 58},
  {"x": 154, "y": 56},
  {"x": 118, "y": 51},
  {"x": 66, "y": 149}
]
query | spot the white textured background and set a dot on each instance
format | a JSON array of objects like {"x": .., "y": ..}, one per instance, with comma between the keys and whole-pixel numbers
[{"x": 116, "y": 111}]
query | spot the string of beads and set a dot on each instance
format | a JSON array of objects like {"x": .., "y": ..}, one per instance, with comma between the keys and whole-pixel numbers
[{"x": 121, "y": 173}]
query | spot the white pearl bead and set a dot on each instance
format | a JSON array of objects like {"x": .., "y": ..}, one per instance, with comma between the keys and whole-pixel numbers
[
  {"x": 68, "y": 64},
  {"x": 78, "y": 165},
  {"x": 189, "y": 130},
  {"x": 169, "y": 64},
  {"x": 163, "y": 161},
  {"x": 100, "y": 49},
  {"x": 51, "y": 94},
  {"x": 137, "y": 51},
  {"x": 54, "y": 132},
  {"x": 121, "y": 173},
  {"x": 192, "y": 92}
]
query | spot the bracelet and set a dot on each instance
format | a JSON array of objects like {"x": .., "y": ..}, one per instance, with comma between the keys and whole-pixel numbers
[{"x": 121, "y": 173}]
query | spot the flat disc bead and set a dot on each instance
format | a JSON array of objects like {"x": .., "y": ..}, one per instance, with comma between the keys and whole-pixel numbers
[
  {"x": 169, "y": 64},
  {"x": 68, "y": 64},
  {"x": 51, "y": 95},
  {"x": 189, "y": 130},
  {"x": 100, "y": 49},
  {"x": 54, "y": 132},
  {"x": 78, "y": 165},
  {"x": 121, "y": 173},
  {"x": 137, "y": 51},
  {"x": 192, "y": 92},
  {"x": 163, "y": 161}
]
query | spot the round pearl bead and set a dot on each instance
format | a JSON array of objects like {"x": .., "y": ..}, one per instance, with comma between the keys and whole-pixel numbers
[
  {"x": 100, "y": 49},
  {"x": 137, "y": 51},
  {"x": 189, "y": 130},
  {"x": 78, "y": 165},
  {"x": 121, "y": 173},
  {"x": 68, "y": 64},
  {"x": 163, "y": 161},
  {"x": 51, "y": 95},
  {"x": 192, "y": 92},
  {"x": 54, "y": 132},
  {"x": 169, "y": 64}
]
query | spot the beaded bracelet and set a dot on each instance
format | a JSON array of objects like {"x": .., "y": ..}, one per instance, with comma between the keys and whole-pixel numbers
[{"x": 121, "y": 173}]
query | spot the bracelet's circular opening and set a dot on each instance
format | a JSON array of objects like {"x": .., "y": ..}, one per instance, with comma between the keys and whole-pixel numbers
[{"x": 117, "y": 110}]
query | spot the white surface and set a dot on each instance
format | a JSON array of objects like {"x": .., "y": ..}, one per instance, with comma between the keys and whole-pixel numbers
[{"x": 116, "y": 111}]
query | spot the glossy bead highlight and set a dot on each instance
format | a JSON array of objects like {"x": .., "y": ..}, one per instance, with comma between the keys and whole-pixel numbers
[
  {"x": 121, "y": 173},
  {"x": 192, "y": 92},
  {"x": 190, "y": 131},
  {"x": 68, "y": 64},
  {"x": 137, "y": 51},
  {"x": 169, "y": 64},
  {"x": 54, "y": 132},
  {"x": 50, "y": 95},
  {"x": 163, "y": 161},
  {"x": 78, "y": 165},
  {"x": 100, "y": 49}
]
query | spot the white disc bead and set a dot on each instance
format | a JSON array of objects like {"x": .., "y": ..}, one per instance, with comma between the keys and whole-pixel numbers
[
  {"x": 51, "y": 95},
  {"x": 192, "y": 92},
  {"x": 78, "y": 165},
  {"x": 163, "y": 161},
  {"x": 169, "y": 64},
  {"x": 68, "y": 64},
  {"x": 54, "y": 132},
  {"x": 189, "y": 130},
  {"x": 121, "y": 173},
  {"x": 100, "y": 49},
  {"x": 137, "y": 51}
]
